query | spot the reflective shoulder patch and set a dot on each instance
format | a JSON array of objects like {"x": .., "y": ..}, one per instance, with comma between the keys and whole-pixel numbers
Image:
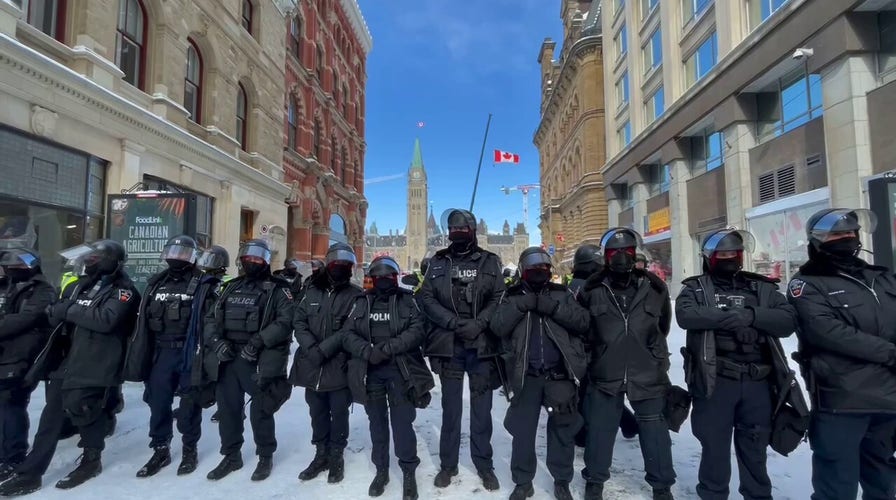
[
  {"x": 125, "y": 295},
  {"x": 795, "y": 288},
  {"x": 287, "y": 293}
]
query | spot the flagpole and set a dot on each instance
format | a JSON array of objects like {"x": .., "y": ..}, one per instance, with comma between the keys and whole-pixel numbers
[{"x": 479, "y": 168}]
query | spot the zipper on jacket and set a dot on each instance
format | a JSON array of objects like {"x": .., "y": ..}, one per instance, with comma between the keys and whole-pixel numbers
[
  {"x": 320, "y": 374},
  {"x": 525, "y": 362},
  {"x": 451, "y": 287},
  {"x": 625, "y": 320},
  {"x": 860, "y": 282},
  {"x": 565, "y": 359}
]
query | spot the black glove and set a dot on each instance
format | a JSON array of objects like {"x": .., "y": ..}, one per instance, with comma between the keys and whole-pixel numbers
[
  {"x": 314, "y": 356},
  {"x": 746, "y": 335},
  {"x": 249, "y": 353},
  {"x": 257, "y": 341},
  {"x": 469, "y": 329},
  {"x": 547, "y": 305},
  {"x": 528, "y": 302},
  {"x": 732, "y": 321},
  {"x": 224, "y": 351},
  {"x": 57, "y": 311},
  {"x": 377, "y": 356}
]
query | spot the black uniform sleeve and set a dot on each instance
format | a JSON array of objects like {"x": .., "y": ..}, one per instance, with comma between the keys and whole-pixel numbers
[
  {"x": 777, "y": 319},
  {"x": 213, "y": 323},
  {"x": 493, "y": 290},
  {"x": 691, "y": 315},
  {"x": 352, "y": 341},
  {"x": 506, "y": 316},
  {"x": 410, "y": 339},
  {"x": 572, "y": 316},
  {"x": 278, "y": 330},
  {"x": 436, "y": 312},
  {"x": 108, "y": 316},
  {"x": 301, "y": 328},
  {"x": 31, "y": 314},
  {"x": 823, "y": 329},
  {"x": 666, "y": 313}
]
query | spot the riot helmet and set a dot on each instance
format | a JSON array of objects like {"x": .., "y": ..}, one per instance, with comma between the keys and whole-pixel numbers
[
  {"x": 723, "y": 250},
  {"x": 214, "y": 260},
  {"x": 620, "y": 246},
  {"x": 180, "y": 252},
  {"x": 384, "y": 272},
  {"x": 460, "y": 225},
  {"x": 640, "y": 261},
  {"x": 291, "y": 269},
  {"x": 317, "y": 266},
  {"x": 535, "y": 266},
  {"x": 103, "y": 257},
  {"x": 834, "y": 232},
  {"x": 340, "y": 261},
  {"x": 586, "y": 261},
  {"x": 255, "y": 258},
  {"x": 20, "y": 264}
]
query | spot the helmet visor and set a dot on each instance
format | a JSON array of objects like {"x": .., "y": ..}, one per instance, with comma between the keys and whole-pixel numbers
[
  {"x": 341, "y": 255},
  {"x": 728, "y": 240},
  {"x": 457, "y": 218},
  {"x": 383, "y": 267},
  {"x": 621, "y": 237},
  {"x": 535, "y": 259},
  {"x": 843, "y": 220},
  {"x": 19, "y": 257},
  {"x": 179, "y": 252},
  {"x": 255, "y": 252},
  {"x": 211, "y": 260}
]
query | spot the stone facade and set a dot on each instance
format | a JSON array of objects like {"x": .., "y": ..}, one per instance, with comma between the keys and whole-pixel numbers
[
  {"x": 570, "y": 137},
  {"x": 327, "y": 45}
]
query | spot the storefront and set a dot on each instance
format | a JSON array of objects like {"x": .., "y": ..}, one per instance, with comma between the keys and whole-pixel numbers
[
  {"x": 780, "y": 231},
  {"x": 658, "y": 243},
  {"x": 51, "y": 197}
]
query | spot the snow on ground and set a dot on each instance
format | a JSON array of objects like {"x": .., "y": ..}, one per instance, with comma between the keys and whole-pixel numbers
[{"x": 128, "y": 450}]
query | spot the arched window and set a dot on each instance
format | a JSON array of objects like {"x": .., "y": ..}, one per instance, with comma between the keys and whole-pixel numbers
[
  {"x": 319, "y": 63},
  {"x": 338, "y": 229},
  {"x": 246, "y": 12},
  {"x": 295, "y": 37},
  {"x": 193, "y": 83},
  {"x": 345, "y": 101},
  {"x": 242, "y": 104},
  {"x": 342, "y": 165},
  {"x": 293, "y": 118},
  {"x": 130, "y": 54},
  {"x": 333, "y": 153},
  {"x": 336, "y": 87},
  {"x": 47, "y": 16},
  {"x": 316, "y": 145}
]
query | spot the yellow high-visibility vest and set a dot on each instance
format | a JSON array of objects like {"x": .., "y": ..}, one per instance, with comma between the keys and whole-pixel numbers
[{"x": 67, "y": 279}]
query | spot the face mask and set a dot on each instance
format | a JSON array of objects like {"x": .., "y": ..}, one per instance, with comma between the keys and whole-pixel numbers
[
  {"x": 726, "y": 267},
  {"x": 254, "y": 269},
  {"x": 537, "y": 277},
  {"x": 177, "y": 265},
  {"x": 842, "y": 248},
  {"x": 18, "y": 275},
  {"x": 385, "y": 284},
  {"x": 621, "y": 262},
  {"x": 339, "y": 274},
  {"x": 460, "y": 236}
]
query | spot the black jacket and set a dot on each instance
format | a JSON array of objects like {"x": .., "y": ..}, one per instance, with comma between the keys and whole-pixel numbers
[
  {"x": 24, "y": 328},
  {"x": 629, "y": 351},
  {"x": 317, "y": 324},
  {"x": 436, "y": 299},
  {"x": 276, "y": 311},
  {"x": 697, "y": 312},
  {"x": 847, "y": 331},
  {"x": 86, "y": 348},
  {"x": 566, "y": 328},
  {"x": 407, "y": 328},
  {"x": 295, "y": 284}
]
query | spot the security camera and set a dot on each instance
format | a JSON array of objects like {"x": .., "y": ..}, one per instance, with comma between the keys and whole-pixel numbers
[{"x": 802, "y": 53}]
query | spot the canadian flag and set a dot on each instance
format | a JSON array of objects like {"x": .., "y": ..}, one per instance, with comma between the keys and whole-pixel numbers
[{"x": 506, "y": 157}]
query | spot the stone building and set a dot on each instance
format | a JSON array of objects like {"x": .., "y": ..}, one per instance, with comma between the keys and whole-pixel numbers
[
  {"x": 101, "y": 96},
  {"x": 323, "y": 154},
  {"x": 423, "y": 235}
]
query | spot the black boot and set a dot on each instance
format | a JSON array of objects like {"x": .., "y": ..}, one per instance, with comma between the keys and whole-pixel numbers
[
  {"x": 662, "y": 494},
  {"x": 228, "y": 464},
  {"x": 20, "y": 484},
  {"x": 409, "y": 488},
  {"x": 160, "y": 458},
  {"x": 8, "y": 469},
  {"x": 263, "y": 469},
  {"x": 489, "y": 479},
  {"x": 89, "y": 468},
  {"x": 561, "y": 491},
  {"x": 594, "y": 491},
  {"x": 112, "y": 424},
  {"x": 378, "y": 485},
  {"x": 318, "y": 464},
  {"x": 188, "y": 461},
  {"x": 337, "y": 467},
  {"x": 522, "y": 491},
  {"x": 443, "y": 478}
]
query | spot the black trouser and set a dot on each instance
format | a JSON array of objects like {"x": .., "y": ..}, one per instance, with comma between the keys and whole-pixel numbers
[
  {"x": 744, "y": 407},
  {"x": 852, "y": 449},
  {"x": 521, "y": 422},
  {"x": 329, "y": 417},
  {"x": 85, "y": 407},
  {"x": 14, "y": 399},
  {"x": 452, "y": 379},
  {"x": 387, "y": 399},
  {"x": 604, "y": 411},
  {"x": 236, "y": 379},
  {"x": 164, "y": 381}
]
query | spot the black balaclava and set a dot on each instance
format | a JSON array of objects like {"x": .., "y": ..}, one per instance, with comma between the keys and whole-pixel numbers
[
  {"x": 385, "y": 285},
  {"x": 255, "y": 270},
  {"x": 841, "y": 253},
  {"x": 620, "y": 262},
  {"x": 536, "y": 278},
  {"x": 726, "y": 268},
  {"x": 339, "y": 273},
  {"x": 179, "y": 266}
]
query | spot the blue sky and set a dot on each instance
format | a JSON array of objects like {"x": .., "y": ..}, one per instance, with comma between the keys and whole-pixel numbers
[{"x": 449, "y": 63}]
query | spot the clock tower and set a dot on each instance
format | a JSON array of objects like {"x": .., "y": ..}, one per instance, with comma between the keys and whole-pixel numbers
[{"x": 418, "y": 201}]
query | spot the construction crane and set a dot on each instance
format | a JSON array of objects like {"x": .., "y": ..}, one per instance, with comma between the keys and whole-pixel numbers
[{"x": 524, "y": 189}]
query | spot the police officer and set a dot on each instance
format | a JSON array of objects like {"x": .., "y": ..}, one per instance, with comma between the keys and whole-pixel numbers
[
  {"x": 160, "y": 353},
  {"x": 291, "y": 274},
  {"x": 247, "y": 341},
  {"x": 630, "y": 318},
  {"x": 82, "y": 362},
  {"x": 585, "y": 262},
  {"x": 542, "y": 328},
  {"x": 640, "y": 261},
  {"x": 319, "y": 364},
  {"x": 213, "y": 263},
  {"x": 733, "y": 320},
  {"x": 317, "y": 267},
  {"x": 459, "y": 295},
  {"x": 24, "y": 296},
  {"x": 846, "y": 312},
  {"x": 388, "y": 375}
]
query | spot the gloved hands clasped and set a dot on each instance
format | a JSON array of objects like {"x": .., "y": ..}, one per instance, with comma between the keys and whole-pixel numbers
[
  {"x": 252, "y": 348},
  {"x": 469, "y": 329}
]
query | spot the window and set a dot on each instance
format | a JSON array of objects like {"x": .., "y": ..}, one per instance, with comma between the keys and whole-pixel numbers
[
  {"x": 345, "y": 101},
  {"x": 794, "y": 101},
  {"x": 316, "y": 149},
  {"x": 246, "y": 15},
  {"x": 319, "y": 63},
  {"x": 622, "y": 90},
  {"x": 655, "y": 105},
  {"x": 247, "y": 225},
  {"x": 647, "y": 7},
  {"x": 760, "y": 10},
  {"x": 692, "y": 9},
  {"x": 713, "y": 156},
  {"x": 335, "y": 87},
  {"x": 46, "y": 15},
  {"x": 193, "y": 83},
  {"x": 660, "y": 179},
  {"x": 621, "y": 42},
  {"x": 618, "y": 6},
  {"x": 652, "y": 51},
  {"x": 131, "y": 42},
  {"x": 624, "y": 134},
  {"x": 333, "y": 155},
  {"x": 702, "y": 60},
  {"x": 886, "y": 26},
  {"x": 341, "y": 172},
  {"x": 241, "y": 107},
  {"x": 295, "y": 37},
  {"x": 665, "y": 178},
  {"x": 293, "y": 121}
]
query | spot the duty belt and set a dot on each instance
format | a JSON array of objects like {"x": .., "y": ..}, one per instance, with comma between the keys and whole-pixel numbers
[
  {"x": 740, "y": 371},
  {"x": 170, "y": 344}
]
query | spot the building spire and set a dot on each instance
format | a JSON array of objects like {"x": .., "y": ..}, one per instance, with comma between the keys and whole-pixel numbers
[{"x": 417, "y": 161}]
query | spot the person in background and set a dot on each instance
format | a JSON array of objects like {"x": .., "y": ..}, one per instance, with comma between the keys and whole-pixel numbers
[
  {"x": 291, "y": 274},
  {"x": 640, "y": 261}
]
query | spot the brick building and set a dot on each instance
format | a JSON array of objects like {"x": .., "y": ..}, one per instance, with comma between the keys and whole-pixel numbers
[{"x": 327, "y": 45}]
